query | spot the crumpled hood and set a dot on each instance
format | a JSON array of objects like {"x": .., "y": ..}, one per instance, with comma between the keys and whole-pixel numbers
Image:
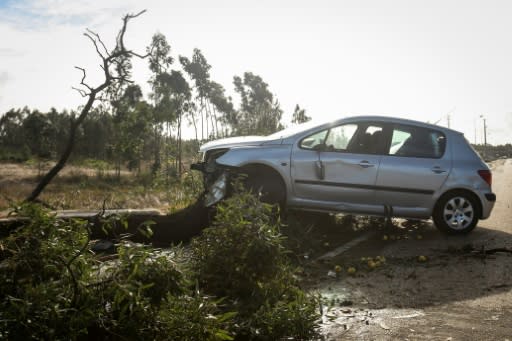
[{"x": 235, "y": 142}]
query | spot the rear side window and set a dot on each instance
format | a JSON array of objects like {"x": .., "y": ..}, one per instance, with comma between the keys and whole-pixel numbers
[{"x": 410, "y": 141}]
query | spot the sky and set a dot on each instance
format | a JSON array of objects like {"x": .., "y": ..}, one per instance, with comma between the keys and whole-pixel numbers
[{"x": 432, "y": 61}]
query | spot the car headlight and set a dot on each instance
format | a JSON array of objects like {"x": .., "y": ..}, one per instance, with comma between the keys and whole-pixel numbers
[{"x": 217, "y": 190}]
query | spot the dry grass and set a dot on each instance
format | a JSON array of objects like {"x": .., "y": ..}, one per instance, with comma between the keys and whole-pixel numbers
[{"x": 84, "y": 188}]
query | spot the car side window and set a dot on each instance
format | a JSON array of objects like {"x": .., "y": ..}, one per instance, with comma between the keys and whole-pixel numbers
[
  {"x": 339, "y": 137},
  {"x": 313, "y": 141},
  {"x": 368, "y": 141},
  {"x": 410, "y": 141}
]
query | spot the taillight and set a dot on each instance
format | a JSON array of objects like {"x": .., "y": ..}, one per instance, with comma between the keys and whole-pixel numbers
[{"x": 486, "y": 175}]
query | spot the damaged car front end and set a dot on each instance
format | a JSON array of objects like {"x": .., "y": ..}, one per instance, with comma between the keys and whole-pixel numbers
[
  {"x": 215, "y": 177},
  {"x": 226, "y": 159}
]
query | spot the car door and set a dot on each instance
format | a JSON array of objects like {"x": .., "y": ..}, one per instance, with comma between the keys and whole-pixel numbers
[
  {"x": 306, "y": 169},
  {"x": 416, "y": 165},
  {"x": 342, "y": 169}
]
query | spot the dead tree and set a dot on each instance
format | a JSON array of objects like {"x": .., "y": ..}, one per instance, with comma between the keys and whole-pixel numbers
[{"x": 113, "y": 65}]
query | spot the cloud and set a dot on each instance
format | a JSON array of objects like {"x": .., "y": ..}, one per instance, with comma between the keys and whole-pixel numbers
[
  {"x": 9, "y": 52},
  {"x": 4, "y": 77},
  {"x": 36, "y": 14}
]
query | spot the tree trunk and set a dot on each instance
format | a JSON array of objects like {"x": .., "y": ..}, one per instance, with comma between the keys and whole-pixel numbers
[
  {"x": 108, "y": 60},
  {"x": 202, "y": 120},
  {"x": 195, "y": 124},
  {"x": 67, "y": 151},
  {"x": 179, "y": 145}
]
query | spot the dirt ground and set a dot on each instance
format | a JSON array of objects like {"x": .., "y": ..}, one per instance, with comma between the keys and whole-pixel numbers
[{"x": 460, "y": 289}]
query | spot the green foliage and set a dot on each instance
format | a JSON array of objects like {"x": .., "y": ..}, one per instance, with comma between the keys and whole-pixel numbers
[
  {"x": 259, "y": 113},
  {"x": 189, "y": 318},
  {"x": 53, "y": 287},
  {"x": 299, "y": 115},
  {"x": 294, "y": 317},
  {"x": 159, "y": 50},
  {"x": 489, "y": 153},
  {"x": 242, "y": 258},
  {"x": 42, "y": 275}
]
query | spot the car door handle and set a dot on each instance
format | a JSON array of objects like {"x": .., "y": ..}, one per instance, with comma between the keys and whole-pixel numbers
[
  {"x": 438, "y": 170},
  {"x": 365, "y": 164}
]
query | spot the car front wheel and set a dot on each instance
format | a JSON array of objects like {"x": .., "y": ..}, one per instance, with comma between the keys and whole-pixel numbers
[
  {"x": 456, "y": 212},
  {"x": 266, "y": 185}
]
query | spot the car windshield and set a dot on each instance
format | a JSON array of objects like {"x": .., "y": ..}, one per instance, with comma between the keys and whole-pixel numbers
[{"x": 287, "y": 132}]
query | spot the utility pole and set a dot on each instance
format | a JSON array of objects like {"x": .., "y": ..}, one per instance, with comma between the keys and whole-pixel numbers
[
  {"x": 474, "y": 126},
  {"x": 485, "y": 129},
  {"x": 485, "y": 132}
]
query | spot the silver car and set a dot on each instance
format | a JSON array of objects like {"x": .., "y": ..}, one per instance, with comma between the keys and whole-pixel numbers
[{"x": 370, "y": 165}]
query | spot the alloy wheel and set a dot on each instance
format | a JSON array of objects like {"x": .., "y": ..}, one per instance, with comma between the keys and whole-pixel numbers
[{"x": 458, "y": 213}]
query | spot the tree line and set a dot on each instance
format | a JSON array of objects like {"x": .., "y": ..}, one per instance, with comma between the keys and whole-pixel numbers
[{"x": 128, "y": 129}]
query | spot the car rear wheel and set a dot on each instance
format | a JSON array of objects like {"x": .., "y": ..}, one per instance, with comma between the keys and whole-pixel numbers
[{"x": 456, "y": 212}]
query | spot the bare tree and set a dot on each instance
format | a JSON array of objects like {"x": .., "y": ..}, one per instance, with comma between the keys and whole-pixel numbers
[{"x": 115, "y": 70}]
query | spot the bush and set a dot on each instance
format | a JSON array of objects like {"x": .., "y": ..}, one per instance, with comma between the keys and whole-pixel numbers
[
  {"x": 53, "y": 287},
  {"x": 242, "y": 258},
  {"x": 42, "y": 274}
]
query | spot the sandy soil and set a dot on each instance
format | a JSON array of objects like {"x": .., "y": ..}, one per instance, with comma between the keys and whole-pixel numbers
[{"x": 459, "y": 293}]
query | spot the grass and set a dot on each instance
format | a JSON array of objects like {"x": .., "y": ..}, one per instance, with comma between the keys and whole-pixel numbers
[{"x": 80, "y": 187}]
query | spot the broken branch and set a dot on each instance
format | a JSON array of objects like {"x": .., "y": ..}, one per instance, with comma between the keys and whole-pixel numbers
[{"x": 108, "y": 60}]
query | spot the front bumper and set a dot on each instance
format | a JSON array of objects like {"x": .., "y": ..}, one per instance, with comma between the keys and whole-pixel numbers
[
  {"x": 198, "y": 166},
  {"x": 217, "y": 191},
  {"x": 216, "y": 183}
]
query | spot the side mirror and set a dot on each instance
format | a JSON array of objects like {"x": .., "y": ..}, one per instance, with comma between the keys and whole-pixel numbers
[{"x": 319, "y": 147}]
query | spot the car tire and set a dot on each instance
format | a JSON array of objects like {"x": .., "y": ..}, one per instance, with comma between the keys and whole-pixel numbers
[
  {"x": 267, "y": 186},
  {"x": 456, "y": 212}
]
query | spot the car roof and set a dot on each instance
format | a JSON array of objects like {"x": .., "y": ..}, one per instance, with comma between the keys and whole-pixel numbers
[
  {"x": 310, "y": 126},
  {"x": 389, "y": 119}
]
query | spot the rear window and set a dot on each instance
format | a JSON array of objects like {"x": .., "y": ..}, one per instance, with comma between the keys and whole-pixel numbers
[{"x": 410, "y": 141}]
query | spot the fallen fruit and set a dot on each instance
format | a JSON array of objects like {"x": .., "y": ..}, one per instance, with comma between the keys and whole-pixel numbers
[
  {"x": 351, "y": 270},
  {"x": 337, "y": 268},
  {"x": 385, "y": 237},
  {"x": 372, "y": 264},
  {"x": 422, "y": 259}
]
